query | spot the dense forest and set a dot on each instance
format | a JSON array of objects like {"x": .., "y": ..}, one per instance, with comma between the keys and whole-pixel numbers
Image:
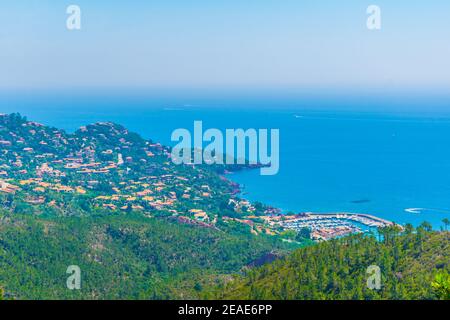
[
  {"x": 120, "y": 256},
  {"x": 414, "y": 264}
]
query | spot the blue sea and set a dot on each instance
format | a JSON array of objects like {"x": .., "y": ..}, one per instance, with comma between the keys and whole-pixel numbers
[{"x": 391, "y": 163}]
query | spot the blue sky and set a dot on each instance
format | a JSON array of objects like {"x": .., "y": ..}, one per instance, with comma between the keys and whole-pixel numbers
[{"x": 203, "y": 44}]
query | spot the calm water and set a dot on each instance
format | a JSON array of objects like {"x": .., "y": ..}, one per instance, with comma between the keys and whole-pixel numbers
[{"x": 376, "y": 163}]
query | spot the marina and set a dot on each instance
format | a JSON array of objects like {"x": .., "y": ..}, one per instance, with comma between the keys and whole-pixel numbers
[{"x": 325, "y": 226}]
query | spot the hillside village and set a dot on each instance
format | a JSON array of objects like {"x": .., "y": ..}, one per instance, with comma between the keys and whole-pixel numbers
[{"x": 105, "y": 168}]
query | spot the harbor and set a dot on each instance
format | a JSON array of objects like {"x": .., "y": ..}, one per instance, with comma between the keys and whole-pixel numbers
[{"x": 325, "y": 226}]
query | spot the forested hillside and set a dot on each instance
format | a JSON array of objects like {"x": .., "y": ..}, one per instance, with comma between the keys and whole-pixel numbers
[
  {"x": 414, "y": 265},
  {"x": 112, "y": 203},
  {"x": 119, "y": 256}
]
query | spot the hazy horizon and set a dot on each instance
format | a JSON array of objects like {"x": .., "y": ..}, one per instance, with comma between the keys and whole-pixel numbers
[
  {"x": 254, "y": 46},
  {"x": 27, "y": 102}
]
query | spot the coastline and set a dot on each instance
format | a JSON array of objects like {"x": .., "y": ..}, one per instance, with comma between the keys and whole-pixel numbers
[
  {"x": 322, "y": 225},
  {"x": 389, "y": 205}
]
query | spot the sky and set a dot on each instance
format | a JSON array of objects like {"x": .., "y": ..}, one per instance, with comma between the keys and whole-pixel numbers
[{"x": 303, "y": 45}]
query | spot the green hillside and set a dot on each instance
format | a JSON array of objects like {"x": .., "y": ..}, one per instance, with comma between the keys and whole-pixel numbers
[
  {"x": 120, "y": 257},
  {"x": 414, "y": 265}
]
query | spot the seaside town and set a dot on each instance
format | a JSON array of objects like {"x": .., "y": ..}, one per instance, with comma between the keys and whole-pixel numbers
[{"x": 104, "y": 168}]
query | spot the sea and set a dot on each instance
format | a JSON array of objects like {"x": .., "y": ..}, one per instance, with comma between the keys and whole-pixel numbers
[{"x": 335, "y": 156}]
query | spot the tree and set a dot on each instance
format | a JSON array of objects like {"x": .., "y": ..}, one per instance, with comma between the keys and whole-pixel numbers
[
  {"x": 441, "y": 285},
  {"x": 289, "y": 234},
  {"x": 304, "y": 233},
  {"x": 409, "y": 228},
  {"x": 446, "y": 223},
  {"x": 426, "y": 226}
]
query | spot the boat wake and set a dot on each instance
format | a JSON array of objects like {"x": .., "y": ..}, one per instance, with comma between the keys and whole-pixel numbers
[
  {"x": 424, "y": 210},
  {"x": 414, "y": 210}
]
